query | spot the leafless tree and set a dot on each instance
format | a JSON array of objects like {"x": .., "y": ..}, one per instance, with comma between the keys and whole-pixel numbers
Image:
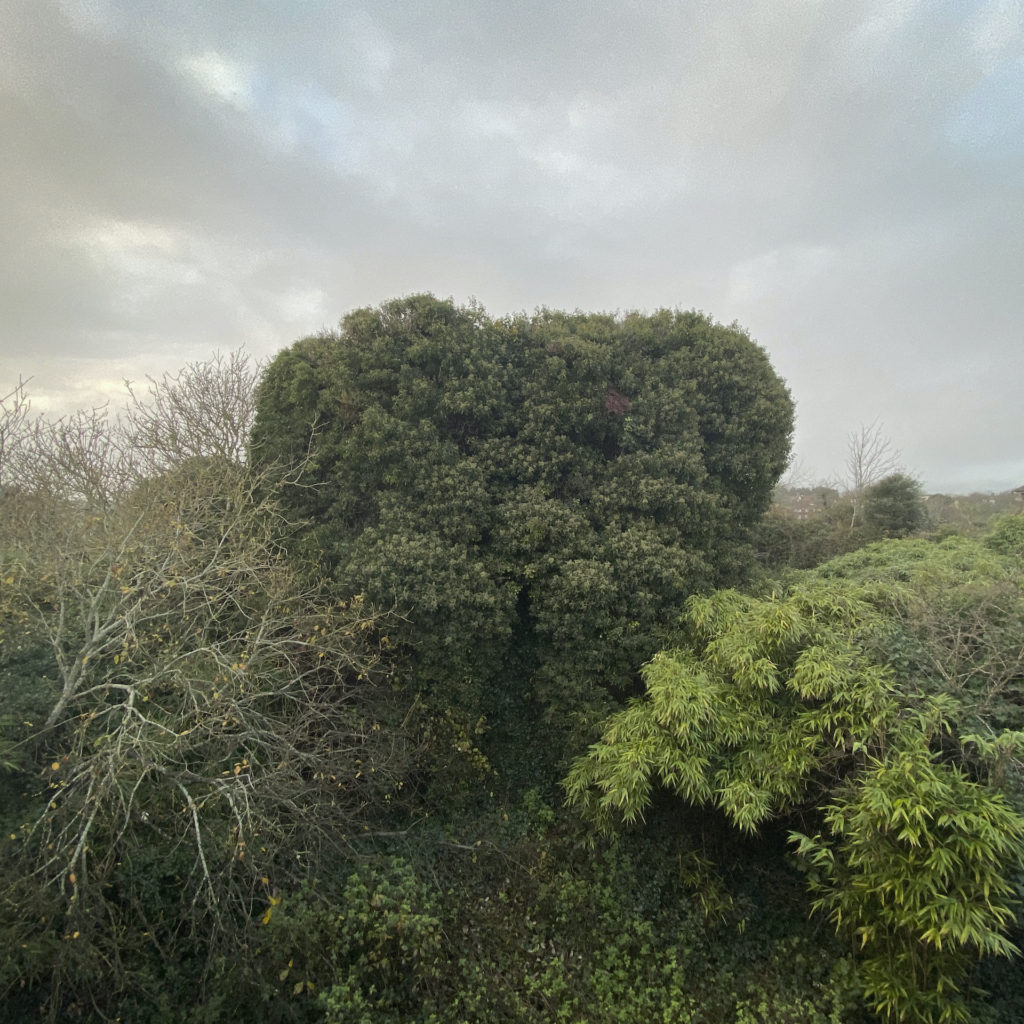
[
  {"x": 206, "y": 409},
  {"x": 82, "y": 457},
  {"x": 870, "y": 456},
  {"x": 14, "y": 422},
  {"x": 183, "y": 639},
  {"x": 96, "y": 456},
  {"x": 206, "y": 702}
]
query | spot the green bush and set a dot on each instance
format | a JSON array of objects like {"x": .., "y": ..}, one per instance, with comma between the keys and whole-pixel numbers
[
  {"x": 840, "y": 699},
  {"x": 535, "y": 496}
]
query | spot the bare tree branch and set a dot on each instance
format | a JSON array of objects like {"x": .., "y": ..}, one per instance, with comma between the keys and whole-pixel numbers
[
  {"x": 204, "y": 695},
  {"x": 14, "y": 412},
  {"x": 870, "y": 456},
  {"x": 204, "y": 410}
]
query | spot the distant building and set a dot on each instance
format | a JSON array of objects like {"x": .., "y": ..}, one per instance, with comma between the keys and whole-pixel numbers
[{"x": 804, "y": 502}]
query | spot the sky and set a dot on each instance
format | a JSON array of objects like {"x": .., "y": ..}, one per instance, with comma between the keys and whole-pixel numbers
[{"x": 843, "y": 178}]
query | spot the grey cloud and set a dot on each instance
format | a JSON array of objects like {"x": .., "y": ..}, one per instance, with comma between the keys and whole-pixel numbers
[{"x": 843, "y": 177}]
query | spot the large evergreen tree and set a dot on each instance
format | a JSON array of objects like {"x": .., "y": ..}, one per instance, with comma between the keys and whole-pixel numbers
[
  {"x": 537, "y": 496},
  {"x": 894, "y": 507}
]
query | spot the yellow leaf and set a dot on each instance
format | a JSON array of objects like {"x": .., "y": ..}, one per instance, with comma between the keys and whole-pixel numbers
[
  {"x": 72, "y": 879},
  {"x": 55, "y": 766},
  {"x": 299, "y": 986}
]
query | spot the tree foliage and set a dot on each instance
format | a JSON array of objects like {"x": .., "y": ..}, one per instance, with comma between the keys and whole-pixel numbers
[
  {"x": 894, "y": 507},
  {"x": 535, "y": 495},
  {"x": 960, "y": 632},
  {"x": 198, "y": 724},
  {"x": 838, "y": 703}
]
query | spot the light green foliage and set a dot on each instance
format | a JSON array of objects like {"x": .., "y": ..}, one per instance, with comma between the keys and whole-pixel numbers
[
  {"x": 844, "y": 694},
  {"x": 533, "y": 495},
  {"x": 916, "y": 866},
  {"x": 766, "y": 696},
  {"x": 957, "y": 622},
  {"x": 1007, "y": 535}
]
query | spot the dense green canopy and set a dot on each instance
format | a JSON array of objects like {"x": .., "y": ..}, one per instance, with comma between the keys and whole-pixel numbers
[
  {"x": 536, "y": 495},
  {"x": 894, "y": 507}
]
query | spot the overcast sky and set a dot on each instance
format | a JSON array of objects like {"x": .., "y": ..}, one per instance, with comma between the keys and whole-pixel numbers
[{"x": 844, "y": 178}]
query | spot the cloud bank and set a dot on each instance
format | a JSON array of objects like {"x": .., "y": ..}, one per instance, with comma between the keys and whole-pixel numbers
[{"x": 844, "y": 178}]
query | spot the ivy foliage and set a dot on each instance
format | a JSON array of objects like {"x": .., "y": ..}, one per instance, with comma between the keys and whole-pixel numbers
[
  {"x": 524, "y": 924},
  {"x": 843, "y": 703},
  {"x": 534, "y": 495}
]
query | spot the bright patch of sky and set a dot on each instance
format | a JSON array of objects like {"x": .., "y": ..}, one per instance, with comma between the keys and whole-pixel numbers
[
  {"x": 785, "y": 273},
  {"x": 227, "y": 80},
  {"x": 292, "y": 115},
  {"x": 990, "y": 117}
]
